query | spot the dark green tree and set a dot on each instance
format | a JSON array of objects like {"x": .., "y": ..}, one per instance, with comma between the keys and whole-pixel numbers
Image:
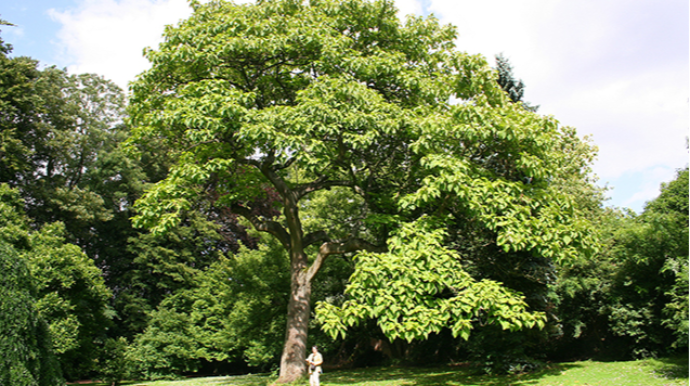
[
  {"x": 25, "y": 340},
  {"x": 161, "y": 265},
  {"x": 233, "y": 312},
  {"x": 631, "y": 300},
  {"x": 19, "y": 109},
  {"x": 515, "y": 88},
  {"x": 58, "y": 139},
  {"x": 70, "y": 296}
]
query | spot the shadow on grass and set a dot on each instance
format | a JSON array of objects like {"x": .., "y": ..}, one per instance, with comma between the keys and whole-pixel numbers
[
  {"x": 232, "y": 380},
  {"x": 438, "y": 376},
  {"x": 671, "y": 368}
]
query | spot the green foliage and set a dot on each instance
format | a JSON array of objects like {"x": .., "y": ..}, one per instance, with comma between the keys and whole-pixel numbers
[
  {"x": 676, "y": 310},
  {"x": 263, "y": 107},
  {"x": 14, "y": 227},
  {"x": 25, "y": 341},
  {"x": 332, "y": 96},
  {"x": 420, "y": 287},
  {"x": 81, "y": 112},
  {"x": 58, "y": 140},
  {"x": 653, "y": 276},
  {"x": 162, "y": 265},
  {"x": 70, "y": 295},
  {"x": 671, "y": 212},
  {"x": 113, "y": 365},
  {"x": 73, "y": 298},
  {"x": 19, "y": 107},
  {"x": 631, "y": 300},
  {"x": 235, "y": 311}
]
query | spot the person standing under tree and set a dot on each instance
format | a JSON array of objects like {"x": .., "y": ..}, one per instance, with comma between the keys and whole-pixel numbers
[{"x": 314, "y": 360}]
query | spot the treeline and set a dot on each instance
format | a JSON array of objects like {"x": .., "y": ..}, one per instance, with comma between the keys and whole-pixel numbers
[{"x": 84, "y": 294}]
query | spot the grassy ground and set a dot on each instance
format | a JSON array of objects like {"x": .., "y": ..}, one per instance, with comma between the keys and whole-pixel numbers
[{"x": 651, "y": 372}]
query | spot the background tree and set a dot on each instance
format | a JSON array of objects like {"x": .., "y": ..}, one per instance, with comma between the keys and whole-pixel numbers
[
  {"x": 55, "y": 129},
  {"x": 287, "y": 99},
  {"x": 156, "y": 267},
  {"x": 20, "y": 107},
  {"x": 515, "y": 88},
  {"x": 68, "y": 290},
  {"x": 631, "y": 300},
  {"x": 28, "y": 357},
  {"x": 234, "y": 313},
  {"x": 58, "y": 140},
  {"x": 25, "y": 340},
  {"x": 72, "y": 298}
]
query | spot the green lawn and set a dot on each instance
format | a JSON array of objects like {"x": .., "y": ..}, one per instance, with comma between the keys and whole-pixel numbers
[{"x": 651, "y": 372}]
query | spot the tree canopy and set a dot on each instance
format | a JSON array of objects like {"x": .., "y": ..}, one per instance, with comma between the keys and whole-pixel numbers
[{"x": 264, "y": 104}]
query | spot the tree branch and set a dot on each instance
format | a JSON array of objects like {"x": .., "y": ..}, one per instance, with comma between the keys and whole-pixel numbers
[
  {"x": 285, "y": 165},
  {"x": 315, "y": 237},
  {"x": 272, "y": 227},
  {"x": 321, "y": 183},
  {"x": 339, "y": 247}
]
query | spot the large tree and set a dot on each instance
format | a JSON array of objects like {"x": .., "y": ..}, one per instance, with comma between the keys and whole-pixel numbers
[
  {"x": 70, "y": 296},
  {"x": 263, "y": 105}
]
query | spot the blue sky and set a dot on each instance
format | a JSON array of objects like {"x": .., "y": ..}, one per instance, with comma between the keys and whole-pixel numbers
[{"x": 617, "y": 70}]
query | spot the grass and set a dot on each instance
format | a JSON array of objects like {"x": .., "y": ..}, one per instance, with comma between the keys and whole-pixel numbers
[{"x": 650, "y": 372}]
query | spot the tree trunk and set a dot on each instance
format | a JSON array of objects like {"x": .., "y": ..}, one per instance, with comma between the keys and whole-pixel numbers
[{"x": 292, "y": 362}]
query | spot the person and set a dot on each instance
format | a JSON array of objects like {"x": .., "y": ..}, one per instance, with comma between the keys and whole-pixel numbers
[{"x": 314, "y": 360}]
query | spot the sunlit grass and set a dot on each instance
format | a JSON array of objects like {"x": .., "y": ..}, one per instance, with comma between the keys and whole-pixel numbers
[{"x": 650, "y": 372}]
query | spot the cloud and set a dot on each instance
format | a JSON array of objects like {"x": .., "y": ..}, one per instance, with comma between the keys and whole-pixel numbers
[
  {"x": 408, "y": 7},
  {"x": 637, "y": 122},
  {"x": 14, "y": 31},
  {"x": 616, "y": 70},
  {"x": 108, "y": 37}
]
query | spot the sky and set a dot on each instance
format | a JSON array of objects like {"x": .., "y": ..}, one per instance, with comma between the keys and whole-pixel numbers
[{"x": 616, "y": 70}]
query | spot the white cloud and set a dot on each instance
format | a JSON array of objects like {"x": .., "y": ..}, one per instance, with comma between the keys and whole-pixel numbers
[
  {"x": 14, "y": 31},
  {"x": 637, "y": 122},
  {"x": 408, "y": 7},
  {"x": 108, "y": 37},
  {"x": 617, "y": 70}
]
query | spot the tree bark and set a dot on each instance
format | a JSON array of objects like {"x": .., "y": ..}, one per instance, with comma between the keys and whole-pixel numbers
[{"x": 292, "y": 362}]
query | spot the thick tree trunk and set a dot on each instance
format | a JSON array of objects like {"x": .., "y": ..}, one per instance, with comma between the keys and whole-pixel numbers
[{"x": 292, "y": 362}]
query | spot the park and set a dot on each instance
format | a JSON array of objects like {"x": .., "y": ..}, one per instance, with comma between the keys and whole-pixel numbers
[{"x": 290, "y": 174}]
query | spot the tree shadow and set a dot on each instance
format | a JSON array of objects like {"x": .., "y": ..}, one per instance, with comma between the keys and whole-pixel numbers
[
  {"x": 671, "y": 367},
  {"x": 440, "y": 376}
]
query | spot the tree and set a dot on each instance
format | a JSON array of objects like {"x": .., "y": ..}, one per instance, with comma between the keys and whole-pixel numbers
[
  {"x": 80, "y": 122},
  {"x": 28, "y": 357},
  {"x": 672, "y": 207},
  {"x": 515, "y": 88},
  {"x": 69, "y": 294},
  {"x": 235, "y": 311},
  {"x": 19, "y": 106},
  {"x": 72, "y": 298},
  {"x": 264, "y": 105},
  {"x": 631, "y": 299},
  {"x": 25, "y": 340},
  {"x": 58, "y": 145}
]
